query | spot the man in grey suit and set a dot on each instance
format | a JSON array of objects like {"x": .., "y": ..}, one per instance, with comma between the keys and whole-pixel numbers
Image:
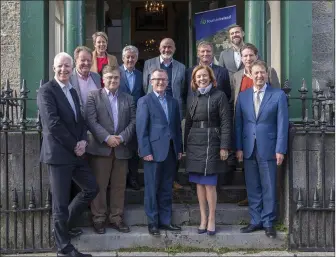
[
  {"x": 82, "y": 79},
  {"x": 230, "y": 57},
  {"x": 110, "y": 115},
  {"x": 176, "y": 78}
]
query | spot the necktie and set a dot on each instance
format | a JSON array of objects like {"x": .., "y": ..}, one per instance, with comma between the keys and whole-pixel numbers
[
  {"x": 257, "y": 102},
  {"x": 164, "y": 106},
  {"x": 70, "y": 100}
]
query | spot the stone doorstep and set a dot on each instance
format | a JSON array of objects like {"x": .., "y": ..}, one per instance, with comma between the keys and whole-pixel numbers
[
  {"x": 183, "y": 214},
  {"x": 227, "y": 237},
  {"x": 225, "y": 194}
]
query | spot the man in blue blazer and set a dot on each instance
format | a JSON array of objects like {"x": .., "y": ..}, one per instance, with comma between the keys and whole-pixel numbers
[
  {"x": 131, "y": 83},
  {"x": 261, "y": 123},
  {"x": 158, "y": 128}
]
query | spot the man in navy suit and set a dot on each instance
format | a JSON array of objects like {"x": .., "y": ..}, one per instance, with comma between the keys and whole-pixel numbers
[
  {"x": 63, "y": 147},
  {"x": 158, "y": 128},
  {"x": 131, "y": 83},
  {"x": 261, "y": 123}
]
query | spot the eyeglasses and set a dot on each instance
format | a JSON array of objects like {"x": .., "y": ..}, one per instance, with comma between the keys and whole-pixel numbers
[{"x": 158, "y": 79}]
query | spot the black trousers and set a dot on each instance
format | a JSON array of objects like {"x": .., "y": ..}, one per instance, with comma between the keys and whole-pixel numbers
[{"x": 64, "y": 215}]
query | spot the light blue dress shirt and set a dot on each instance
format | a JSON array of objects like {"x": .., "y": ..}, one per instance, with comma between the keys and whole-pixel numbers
[
  {"x": 130, "y": 76},
  {"x": 163, "y": 102}
]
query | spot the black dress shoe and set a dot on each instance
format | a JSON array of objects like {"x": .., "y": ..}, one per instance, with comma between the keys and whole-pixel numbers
[
  {"x": 251, "y": 228},
  {"x": 153, "y": 230},
  {"x": 270, "y": 232},
  {"x": 74, "y": 232},
  {"x": 74, "y": 253},
  {"x": 170, "y": 227},
  {"x": 99, "y": 227},
  {"x": 133, "y": 183},
  {"x": 121, "y": 227}
]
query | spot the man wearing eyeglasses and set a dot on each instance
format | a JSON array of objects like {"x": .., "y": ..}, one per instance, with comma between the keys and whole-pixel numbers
[{"x": 158, "y": 130}]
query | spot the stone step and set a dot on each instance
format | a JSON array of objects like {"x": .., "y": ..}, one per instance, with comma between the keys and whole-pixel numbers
[
  {"x": 183, "y": 177},
  {"x": 227, "y": 236},
  {"x": 225, "y": 194},
  {"x": 183, "y": 214}
]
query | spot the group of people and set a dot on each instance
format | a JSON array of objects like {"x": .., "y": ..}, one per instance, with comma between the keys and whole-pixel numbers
[{"x": 99, "y": 118}]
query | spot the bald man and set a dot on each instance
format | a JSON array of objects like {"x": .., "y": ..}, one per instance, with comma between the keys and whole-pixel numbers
[{"x": 176, "y": 77}]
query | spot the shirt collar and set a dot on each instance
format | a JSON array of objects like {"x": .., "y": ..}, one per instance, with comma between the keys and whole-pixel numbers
[
  {"x": 161, "y": 60},
  {"x": 81, "y": 76},
  {"x": 255, "y": 90},
  {"x": 109, "y": 93},
  {"x": 159, "y": 96},
  {"x": 246, "y": 74},
  {"x": 62, "y": 85},
  {"x": 131, "y": 72}
]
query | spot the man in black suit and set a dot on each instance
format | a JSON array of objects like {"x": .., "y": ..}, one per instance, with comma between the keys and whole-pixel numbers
[
  {"x": 63, "y": 148},
  {"x": 205, "y": 55}
]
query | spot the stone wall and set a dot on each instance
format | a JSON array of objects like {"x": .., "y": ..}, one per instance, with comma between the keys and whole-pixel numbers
[
  {"x": 323, "y": 42},
  {"x": 10, "y": 42}
]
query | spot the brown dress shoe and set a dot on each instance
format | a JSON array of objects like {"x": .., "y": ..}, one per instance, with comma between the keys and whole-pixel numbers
[
  {"x": 177, "y": 186},
  {"x": 121, "y": 227},
  {"x": 99, "y": 227},
  {"x": 243, "y": 202}
]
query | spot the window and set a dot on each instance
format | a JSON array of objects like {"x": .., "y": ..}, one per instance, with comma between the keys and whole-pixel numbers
[{"x": 59, "y": 27}]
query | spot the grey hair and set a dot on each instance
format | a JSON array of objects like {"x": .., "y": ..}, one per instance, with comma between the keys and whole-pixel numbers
[
  {"x": 131, "y": 49},
  {"x": 158, "y": 70},
  {"x": 63, "y": 54},
  {"x": 205, "y": 43}
]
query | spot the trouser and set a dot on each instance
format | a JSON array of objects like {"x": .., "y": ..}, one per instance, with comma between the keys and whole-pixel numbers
[
  {"x": 158, "y": 189},
  {"x": 260, "y": 179},
  {"x": 64, "y": 215},
  {"x": 109, "y": 169}
]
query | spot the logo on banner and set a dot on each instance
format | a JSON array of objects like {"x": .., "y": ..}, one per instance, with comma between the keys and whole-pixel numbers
[{"x": 203, "y": 21}]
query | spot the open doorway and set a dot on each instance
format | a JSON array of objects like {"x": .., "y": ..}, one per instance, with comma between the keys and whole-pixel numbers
[{"x": 148, "y": 29}]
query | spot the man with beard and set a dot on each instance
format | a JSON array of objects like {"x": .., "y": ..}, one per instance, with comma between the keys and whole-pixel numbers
[
  {"x": 63, "y": 148},
  {"x": 176, "y": 77},
  {"x": 230, "y": 57}
]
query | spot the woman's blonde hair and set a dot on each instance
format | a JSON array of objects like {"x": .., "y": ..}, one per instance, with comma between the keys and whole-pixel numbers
[
  {"x": 194, "y": 86},
  {"x": 99, "y": 34}
]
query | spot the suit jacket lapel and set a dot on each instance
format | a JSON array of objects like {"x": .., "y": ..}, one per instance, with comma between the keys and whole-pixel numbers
[
  {"x": 250, "y": 102},
  {"x": 170, "y": 108},
  {"x": 124, "y": 77},
  {"x": 75, "y": 98},
  {"x": 62, "y": 96},
  {"x": 237, "y": 86},
  {"x": 174, "y": 73},
  {"x": 120, "y": 101},
  {"x": 107, "y": 103},
  {"x": 159, "y": 107},
  {"x": 138, "y": 79},
  {"x": 267, "y": 96},
  {"x": 215, "y": 70}
]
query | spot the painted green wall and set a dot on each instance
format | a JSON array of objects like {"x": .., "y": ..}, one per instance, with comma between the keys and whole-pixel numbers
[
  {"x": 34, "y": 41},
  {"x": 296, "y": 49}
]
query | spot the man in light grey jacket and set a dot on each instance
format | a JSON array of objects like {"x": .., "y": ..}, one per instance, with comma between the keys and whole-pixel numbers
[
  {"x": 110, "y": 116},
  {"x": 82, "y": 79},
  {"x": 230, "y": 57}
]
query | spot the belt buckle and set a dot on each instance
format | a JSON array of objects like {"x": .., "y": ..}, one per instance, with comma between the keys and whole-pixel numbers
[{"x": 202, "y": 124}]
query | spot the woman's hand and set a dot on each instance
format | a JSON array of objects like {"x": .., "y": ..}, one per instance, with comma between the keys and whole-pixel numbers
[{"x": 224, "y": 154}]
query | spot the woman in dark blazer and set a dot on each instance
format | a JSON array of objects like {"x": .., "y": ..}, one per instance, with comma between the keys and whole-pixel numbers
[{"x": 207, "y": 141}]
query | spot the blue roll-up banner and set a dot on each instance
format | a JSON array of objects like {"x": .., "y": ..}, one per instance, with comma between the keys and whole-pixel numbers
[{"x": 212, "y": 26}]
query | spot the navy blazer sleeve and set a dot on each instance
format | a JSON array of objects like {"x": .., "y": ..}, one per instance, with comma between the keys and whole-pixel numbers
[
  {"x": 224, "y": 83},
  {"x": 142, "y": 128}
]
